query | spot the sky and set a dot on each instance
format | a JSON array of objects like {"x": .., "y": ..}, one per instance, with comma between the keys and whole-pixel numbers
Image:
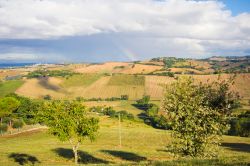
[{"x": 66, "y": 31}]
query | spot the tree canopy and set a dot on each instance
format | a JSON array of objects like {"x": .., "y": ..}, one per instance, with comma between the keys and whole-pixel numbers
[
  {"x": 8, "y": 105},
  {"x": 69, "y": 121},
  {"x": 198, "y": 115}
]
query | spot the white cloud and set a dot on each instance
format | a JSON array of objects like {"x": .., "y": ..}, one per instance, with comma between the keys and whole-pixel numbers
[{"x": 194, "y": 26}]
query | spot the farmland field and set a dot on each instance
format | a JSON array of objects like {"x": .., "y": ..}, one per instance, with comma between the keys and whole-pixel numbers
[
  {"x": 127, "y": 80},
  {"x": 140, "y": 143},
  {"x": 80, "y": 80},
  {"x": 97, "y": 85}
]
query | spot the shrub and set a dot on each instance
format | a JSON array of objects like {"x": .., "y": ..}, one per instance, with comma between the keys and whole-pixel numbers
[
  {"x": 125, "y": 115},
  {"x": 240, "y": 126},
  {"x": 110, "y": 112},
  {"x": 143, "y": 103},
  {"x": 3, "y": 127},
  {"x": 124, "y": 97},
  {"x": 47, "y": 97},
  {"x": 18, "y": 124},
  {"x": 80, "y": 98}
]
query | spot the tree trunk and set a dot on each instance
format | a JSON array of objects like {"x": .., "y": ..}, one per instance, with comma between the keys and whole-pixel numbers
[
  {"x": 75, "y": 155},
  {"x": 75, "y": 148},
  {"x": 10, "y": 126}
]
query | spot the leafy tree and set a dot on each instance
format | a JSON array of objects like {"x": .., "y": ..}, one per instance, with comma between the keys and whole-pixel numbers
[
  {"x": 7, "y": 106},
  {"x": 198, "y": 115},
  {"x": 69, "y": 122},
  {"x": 27, "y": 108}
]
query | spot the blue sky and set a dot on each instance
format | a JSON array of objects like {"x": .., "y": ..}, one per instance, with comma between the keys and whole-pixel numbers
[
  {"x": 237, "y": 6},
  {"x": 117, "y": 30}
]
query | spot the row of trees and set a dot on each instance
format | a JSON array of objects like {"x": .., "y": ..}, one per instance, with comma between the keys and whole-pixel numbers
[{"x": 50, "y": 73}]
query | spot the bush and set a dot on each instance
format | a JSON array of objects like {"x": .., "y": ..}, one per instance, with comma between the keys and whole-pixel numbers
[
  {"x": 125, "y": 115},
  {"x": 170, "y": 74},
  {"x": 124, "y": 97},
  {"x": 3, "y": 127},
  {"x": 110, "y": 112},
  {"x": 143, "y": 103},
  {"x": 80, "y": 99},
  {"x": 240, "y": 126},
  {"x": 18, "y": 124},
  {"x": 47, "y": 97}
]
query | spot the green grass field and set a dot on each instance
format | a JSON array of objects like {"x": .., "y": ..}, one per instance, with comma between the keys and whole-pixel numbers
[
  {"x": 80, "y": 80},
  {"x": 127, "y": 80},
  {"x": 141, "y": 144},
  {"x": 7, "y": 87}
]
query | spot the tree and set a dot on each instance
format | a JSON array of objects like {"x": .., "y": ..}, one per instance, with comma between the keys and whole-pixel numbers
[
  {"x": 198, "y": 115},
  {"x": 7, "y": 106},
  {"x": 27, "y": 108},
  {"x": 69, "y": 122}
]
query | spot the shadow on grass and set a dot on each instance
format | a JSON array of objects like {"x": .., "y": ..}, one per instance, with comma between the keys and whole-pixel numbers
[
  {"x": 125, "y": 155},
  {"x": 44, "y": 81},
  {"x": 144, "y": 107},
  {"x": 84, "y": 157},
  {"x": 23, "y": 159},
  {"x": 241, "y": 147}
]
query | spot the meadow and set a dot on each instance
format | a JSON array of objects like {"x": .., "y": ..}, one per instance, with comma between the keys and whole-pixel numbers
[
  {"x": 141, "y": 145},
  {"x": 7, "y": 87}
]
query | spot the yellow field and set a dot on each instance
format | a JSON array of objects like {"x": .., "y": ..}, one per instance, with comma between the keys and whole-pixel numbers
[
  {"x": 118, "y": 67},
  {"x": 100, "y": 68},
  {"x": 140, "y": 69},
  {"x": 103, "y": 87},
  {"x": 241, "y": 85},
  {"x": 37, "y": 88},
  {"x": 154, "y": 85}
]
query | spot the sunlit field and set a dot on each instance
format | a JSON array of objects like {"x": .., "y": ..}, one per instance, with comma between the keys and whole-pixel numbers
[{"x": 141, "y": 144}]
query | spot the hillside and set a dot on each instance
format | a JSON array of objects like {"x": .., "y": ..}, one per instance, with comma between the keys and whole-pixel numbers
[{"x": 95, "y": 86}]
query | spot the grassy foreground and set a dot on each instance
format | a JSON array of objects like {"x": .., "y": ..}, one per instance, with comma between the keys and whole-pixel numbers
[{"x": 141, "y": 145}]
